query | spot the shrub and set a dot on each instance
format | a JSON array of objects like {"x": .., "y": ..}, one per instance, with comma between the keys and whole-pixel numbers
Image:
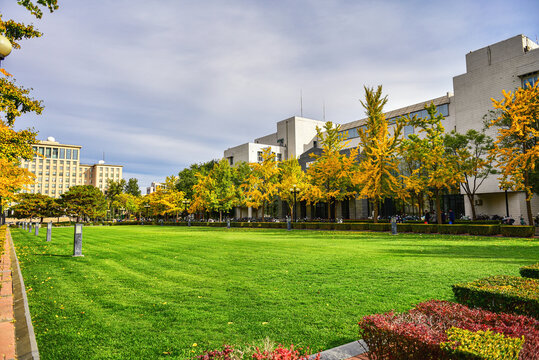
[
  {"x": 341, "y": 226},
  {"x": 404, "y": 227},
  {"x": 424, "y": 228},
  {"x": 419, "y": 333},
  {"x": 517, "y": 230},
  {"x": 530, "y": 271},
  {"x": 312, "y": 226},
  {"x": 325, "y": 226},
  {"x": 279, "y": 353},
  {"x": 465, "y": 344},
  {"x": 501, "y": 294},
  {"x": 480, "y": 222},
  {"x": 359, "y": 226},
  {"x": 380, "y": 227}
]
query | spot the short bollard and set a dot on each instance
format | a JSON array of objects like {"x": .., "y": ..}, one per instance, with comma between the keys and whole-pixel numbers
[
  {"x": 30, "y": 227},
  {"x": 36, "y": 232},
  {"x": 189, "y": 222},
  {"x": 23, "y": 226},
  {"x": 288, "y": 224},
  {"x": 228, "y": 223},
  {"x": 393, "y": 225},
  {"x": 77, "y": 241},
  {"x": 49, "y": 231}
]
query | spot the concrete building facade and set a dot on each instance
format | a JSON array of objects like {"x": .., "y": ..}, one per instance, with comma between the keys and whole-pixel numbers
[
  {"x": 506, "y": 65},
  {"x": 57, "y": 167}
]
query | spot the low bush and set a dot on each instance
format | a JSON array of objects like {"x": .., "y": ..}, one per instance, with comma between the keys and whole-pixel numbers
[
  {"x": 421, "y": 332},
  {"x": 380, "y": 226},
  {"x": 404, "y": 227},
  {"x": 325, "y": 226},
  {"x": 341, "y": 226},
  {"x": 501, "y": 293},
  {"x": 465, "y": 344},
  {"x": 424, "y": 228},
  {"x": 359, "y": 226},
  {"x": 278, "y": 353},
  {"x": 530, "y": 271},
  {"x": 479, "y": 222},
  {"x": 517, "y": 230}
]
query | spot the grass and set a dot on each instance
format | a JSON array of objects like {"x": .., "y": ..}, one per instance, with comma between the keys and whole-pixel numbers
[{"x": 153, "y": 292}]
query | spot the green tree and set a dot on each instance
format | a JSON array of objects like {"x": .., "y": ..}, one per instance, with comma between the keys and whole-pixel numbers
[
  {"x": 132, "y": 187},
  {"x": 471, "y": 153},
  {"x": 438, "y": 170},
  {"x": 187, "y": 178},
  {"x": 114, "y": 188},
  {"x": 378, "y": 174},
  {"x": 31, "y": 206},
  {"x": 84, "y": 202}
]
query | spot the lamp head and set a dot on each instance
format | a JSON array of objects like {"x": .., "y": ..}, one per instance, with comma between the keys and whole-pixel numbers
[{"x": 5, "y": 47}]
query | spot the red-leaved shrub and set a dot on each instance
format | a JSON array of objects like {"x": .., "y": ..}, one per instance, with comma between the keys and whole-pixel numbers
[{"x": 418, "y": 333}]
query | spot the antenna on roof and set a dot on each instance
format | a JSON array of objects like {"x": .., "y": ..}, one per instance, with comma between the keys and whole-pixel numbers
[
  {"x": 301, "y": 102},
  {"x": 103, "y": 156}
]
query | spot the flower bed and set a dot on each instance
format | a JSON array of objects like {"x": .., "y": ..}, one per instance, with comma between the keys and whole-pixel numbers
[
  {"x": 425, "y": 332},
  {"x": 501, "y": 294},
  {"x": 530, "y": 271}
]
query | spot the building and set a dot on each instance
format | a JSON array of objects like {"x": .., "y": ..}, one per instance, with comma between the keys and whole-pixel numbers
[
  {"x": 57, "y": 167},
  {"x": 505, "y": 65},
  {"x": 154, "y": 187}
]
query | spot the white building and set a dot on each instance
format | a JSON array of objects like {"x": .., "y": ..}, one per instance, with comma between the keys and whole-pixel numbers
[{"x": 505, "y": 65}]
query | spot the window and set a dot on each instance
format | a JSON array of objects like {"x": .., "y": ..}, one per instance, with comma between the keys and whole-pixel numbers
[
  {"x": 48, "y": 152},
  {"x": 62, "y": 153},
  {"x": 443, "y": 109},
  {"x": 315, "y": 144},
  {"x": 529, "y": 80},
  {"x": 75, "y": 154},
  {"x": 279, "y": 157},
  {"x": 408, "y": 130},
  {"x": 68, "y": 153},
  {"x": 41, "y": 151},
  {"x": 55, "y": 153},
  {"x": 260, "y": 159}
]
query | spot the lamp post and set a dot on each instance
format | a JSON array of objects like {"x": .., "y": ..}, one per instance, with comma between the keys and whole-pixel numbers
[
  {"x": 147, "y": 206},
  {"x": 5, "y": 47},
  {"x": 185, "y": 204},
  {"x": 294, "y": 190}
]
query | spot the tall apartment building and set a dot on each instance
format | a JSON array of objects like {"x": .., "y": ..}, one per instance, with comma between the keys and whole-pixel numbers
[
  {"x": 57, "y": 167},
  {"x": 505, "y": 65}
]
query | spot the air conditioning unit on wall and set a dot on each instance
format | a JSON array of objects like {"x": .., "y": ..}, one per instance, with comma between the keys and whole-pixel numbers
[{"x": 478, "y": 202}]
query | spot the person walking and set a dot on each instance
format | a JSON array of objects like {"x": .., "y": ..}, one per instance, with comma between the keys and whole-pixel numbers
[
  {"x": 427, "y": 216},
  {"x": 451, "y": 217}
]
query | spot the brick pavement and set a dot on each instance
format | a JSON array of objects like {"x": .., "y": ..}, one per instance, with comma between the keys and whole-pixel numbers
[{"x": 7, "y": 326}]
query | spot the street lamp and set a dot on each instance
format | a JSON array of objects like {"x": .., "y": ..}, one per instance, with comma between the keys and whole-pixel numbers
[
  {"x": 147, "y": 206},
  {"x": 185, "y": 204},
  {"x": 294, "y": 190},
  {"x": 5, "y": 47}
]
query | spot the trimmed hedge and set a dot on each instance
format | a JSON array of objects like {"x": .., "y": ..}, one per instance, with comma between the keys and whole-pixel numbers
[
  {"x": 380, "y": 227},
  {"x": 423, "y": 332},
  {"x": 517, "y": 230},
  {"x": 404, "y": 227},
  {"x": 530, "y": 271},
  {"x": 465, "y": 344},
  {"x": 501, "y": 293},
  {"x": 424, "y": 228},
  {"x": 359, "y": 226}
]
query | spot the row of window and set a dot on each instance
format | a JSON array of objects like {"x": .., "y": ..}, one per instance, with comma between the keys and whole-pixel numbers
[
  {"x": 56, "y": 153},
  {"x": 278, "y": 157},
  {"x": 530, "y": 80},
  {"x": 408, "y": 129}
]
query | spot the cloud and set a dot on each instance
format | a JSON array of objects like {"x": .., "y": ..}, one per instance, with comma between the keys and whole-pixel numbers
[{"x": 158, "y": 85}]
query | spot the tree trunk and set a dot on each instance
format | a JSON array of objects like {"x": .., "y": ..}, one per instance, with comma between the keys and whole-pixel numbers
[
  {"x": 471, "y": 198},
  {"x": 263, "y": 210},
  {"x": 329, "y": 208},
  {"x": 438, "y": 209},
  {"x": 528, "y": 199},
  {"x": 220, "y": 215},
  {"x": 375, "y": 216}
]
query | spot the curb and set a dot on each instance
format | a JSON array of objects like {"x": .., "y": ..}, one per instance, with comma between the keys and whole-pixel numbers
[
  {"x": 26, "y": 339},
  {"x": 7, "y": 326},
  {"x": 347, "y": 351}
]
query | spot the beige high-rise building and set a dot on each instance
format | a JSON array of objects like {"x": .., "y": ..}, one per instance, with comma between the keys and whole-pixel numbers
[{"x": 57, "y": 167}]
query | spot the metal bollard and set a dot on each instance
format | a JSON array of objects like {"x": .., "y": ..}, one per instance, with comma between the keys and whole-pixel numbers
[
  {"x": 77, "y": 241},
  {"x": 393, "y": 225}
]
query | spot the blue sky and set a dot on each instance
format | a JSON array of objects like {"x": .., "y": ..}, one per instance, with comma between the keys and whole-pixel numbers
[{"x": 158, "y": 85}]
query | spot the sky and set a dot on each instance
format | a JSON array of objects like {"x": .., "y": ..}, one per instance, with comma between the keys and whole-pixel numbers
[{"x": 158, "y": 85}]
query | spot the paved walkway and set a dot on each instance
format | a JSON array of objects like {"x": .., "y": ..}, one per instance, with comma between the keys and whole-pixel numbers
[
  {"x": 7, "y": 326},
  {"x": 356, "y": 350}
]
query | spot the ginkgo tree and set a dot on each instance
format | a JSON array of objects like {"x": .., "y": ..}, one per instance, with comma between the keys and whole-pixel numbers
[
  {"x": 378, "y": 175},
  {"x": 329, "y": 175},
  {"x": 261, "y": 187},
  {"x": 516, "y": 147},
  {"x": 291, "y": 178},
  {"x": 438, "y": 170}
]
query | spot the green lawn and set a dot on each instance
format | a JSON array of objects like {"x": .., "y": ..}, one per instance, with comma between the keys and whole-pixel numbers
[{"x": 152, "y": 292}]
